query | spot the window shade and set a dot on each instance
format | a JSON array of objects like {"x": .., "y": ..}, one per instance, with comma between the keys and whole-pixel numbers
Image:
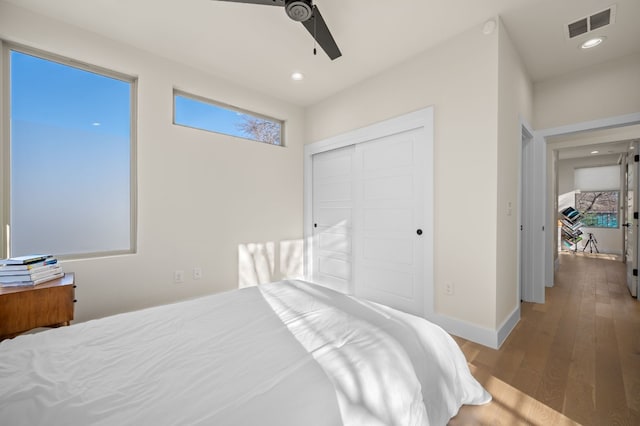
[{"x": 597, "y": 178}]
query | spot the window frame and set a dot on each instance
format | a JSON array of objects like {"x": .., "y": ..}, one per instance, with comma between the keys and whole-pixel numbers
[
  {"x": 596, "y": 213},
  {"x": 6, "y": 47},
  {"x": 229, "y": 107}
]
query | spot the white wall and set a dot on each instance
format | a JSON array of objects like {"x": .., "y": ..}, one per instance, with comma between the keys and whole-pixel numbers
[
  {"x": 460, "y": 79},
  {"x": 609, "y": 240},
  {"x": 604, "y": 90},
  {"x": 514, "y": 104},
  {"x": 203, "y": 198}
]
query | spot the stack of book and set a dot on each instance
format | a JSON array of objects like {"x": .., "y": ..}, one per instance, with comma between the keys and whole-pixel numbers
[
  {"x": 571, "y": 224},
  {"x": 29, "y": 270}
]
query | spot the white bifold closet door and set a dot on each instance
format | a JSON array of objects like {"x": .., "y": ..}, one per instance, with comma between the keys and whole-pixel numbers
[{"x": 368, "y": 204}]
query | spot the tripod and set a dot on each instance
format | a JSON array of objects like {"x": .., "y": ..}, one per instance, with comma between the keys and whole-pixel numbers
[{"x": 592, "y": 243}]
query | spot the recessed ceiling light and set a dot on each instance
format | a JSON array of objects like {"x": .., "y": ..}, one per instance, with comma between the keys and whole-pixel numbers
[
  {"x": 297, "y": 76},
  {"x": 594, "y": 152},
  {"x": 592, "y": 42}
]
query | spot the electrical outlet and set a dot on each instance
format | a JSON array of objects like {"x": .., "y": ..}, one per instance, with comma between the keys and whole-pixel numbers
[
  {"x": 448, "y": 288},
  {"x": 197, "y": 273},
  {"x": 178, "y": 277}
]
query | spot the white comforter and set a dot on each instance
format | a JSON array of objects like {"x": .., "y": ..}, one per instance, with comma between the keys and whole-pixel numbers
[{"x": 232, "y": 359}]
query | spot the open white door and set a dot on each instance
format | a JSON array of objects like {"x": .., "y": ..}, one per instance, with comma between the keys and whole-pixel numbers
[
  {"x": 631, "y": 232},
  {"x": 531, "y": 247},
  {"x": 526, "y": 279}
]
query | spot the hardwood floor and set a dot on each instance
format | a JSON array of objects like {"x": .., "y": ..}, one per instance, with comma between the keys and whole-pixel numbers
[{"x": 573, "y": 360}]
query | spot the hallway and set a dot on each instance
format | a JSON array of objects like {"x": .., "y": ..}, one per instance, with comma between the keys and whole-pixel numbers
[{"x": 575, "y": 359}]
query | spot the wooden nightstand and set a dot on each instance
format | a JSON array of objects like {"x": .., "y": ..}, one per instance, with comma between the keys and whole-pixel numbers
[{"x": 48, "y": 304}]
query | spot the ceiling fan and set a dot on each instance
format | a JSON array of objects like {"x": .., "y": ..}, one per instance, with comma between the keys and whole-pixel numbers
[{"x": 308, "y": 14}]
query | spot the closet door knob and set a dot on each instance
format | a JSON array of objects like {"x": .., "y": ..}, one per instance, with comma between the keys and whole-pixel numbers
[{"x": 419, "y": 232}]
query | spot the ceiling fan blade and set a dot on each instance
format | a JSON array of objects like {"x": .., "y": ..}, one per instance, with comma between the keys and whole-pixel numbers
[
  {"x": 319, "y": 30},
  {"x": 265, "y": 2}
]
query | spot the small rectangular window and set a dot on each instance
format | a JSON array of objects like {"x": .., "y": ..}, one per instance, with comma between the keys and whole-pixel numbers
[
  {"x": 71, "y": 187},
  {"x": 204, "y": 114}
]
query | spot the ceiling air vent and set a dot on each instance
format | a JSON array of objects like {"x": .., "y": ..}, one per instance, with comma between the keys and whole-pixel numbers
[
  {"x": 578, "y": 27},
  {"x": 591, "y": 22},
  {"x": 600, "y": 19}
]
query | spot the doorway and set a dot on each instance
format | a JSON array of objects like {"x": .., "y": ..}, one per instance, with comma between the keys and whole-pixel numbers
[{"x": 627, "y": 127}]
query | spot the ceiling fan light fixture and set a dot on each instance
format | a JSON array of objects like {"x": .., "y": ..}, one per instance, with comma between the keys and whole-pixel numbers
[
  {"x": 299, "y": 10},
  {"x": 308, "y": 14}
]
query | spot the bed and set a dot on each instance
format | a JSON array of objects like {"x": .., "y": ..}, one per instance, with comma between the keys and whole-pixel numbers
[{"x": 284, "y": 353}]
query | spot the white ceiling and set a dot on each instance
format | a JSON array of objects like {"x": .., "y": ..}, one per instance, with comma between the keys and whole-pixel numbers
[
  {"x": 610, "y": 141},
  {"x": 600, "y": 150},
  {"x": 259, "y": 46}
]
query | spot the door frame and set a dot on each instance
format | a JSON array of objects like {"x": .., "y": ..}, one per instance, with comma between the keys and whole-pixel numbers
[
  {"x": 623, "y": 195},
  {"x": 527, "y": 290},
  {"x": 422, "y": 118},
  {"x": 544, "y": 190},
  {"x": 632, "y": 283}
]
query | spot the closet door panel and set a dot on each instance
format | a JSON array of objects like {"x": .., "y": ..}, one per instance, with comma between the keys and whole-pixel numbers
[
  {"x": 377, "y": 279},
  {"x": 388, "y": 251},
  {"x": 333, "y": 199},
  {"x": 387, "y": 188}
]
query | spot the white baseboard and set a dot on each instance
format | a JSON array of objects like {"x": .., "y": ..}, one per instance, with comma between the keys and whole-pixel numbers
[
  {"x": 478, "y": 334},
  {"x": 508, "y": 325}
]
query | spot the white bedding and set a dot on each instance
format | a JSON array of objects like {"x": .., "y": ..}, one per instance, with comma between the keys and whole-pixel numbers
[{"x": 232, "y": 359}]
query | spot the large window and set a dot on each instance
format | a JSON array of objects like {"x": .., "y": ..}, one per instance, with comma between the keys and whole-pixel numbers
[
  {"x": 69, "y": 190},
  {"x": 599, "y": 208},
  {"x": 204, "y": 114}
]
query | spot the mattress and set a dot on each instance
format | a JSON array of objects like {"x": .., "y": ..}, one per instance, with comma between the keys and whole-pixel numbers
[{"x": 284, "y": 353}]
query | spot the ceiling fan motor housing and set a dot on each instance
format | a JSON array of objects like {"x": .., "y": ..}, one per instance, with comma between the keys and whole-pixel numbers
[{"x": 299, "y": 10}]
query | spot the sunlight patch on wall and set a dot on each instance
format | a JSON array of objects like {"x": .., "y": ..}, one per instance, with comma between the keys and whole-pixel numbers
[{"x": 260, "y": 263}]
